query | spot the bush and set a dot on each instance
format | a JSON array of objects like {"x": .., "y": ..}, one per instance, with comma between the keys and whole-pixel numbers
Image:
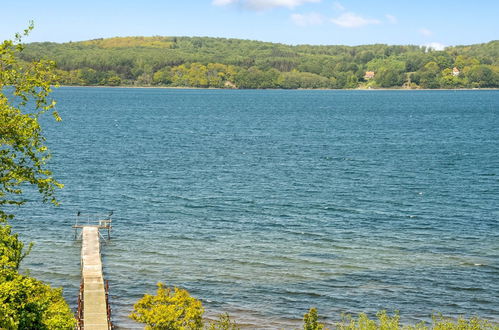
[
  {"x": 363, "y": 322},
  {"x": 224, "y": 323},
  {"x": 386, "y": 322},
  {"x": 169, "y": 310},
  {"x": 310, "y": 320},
  {"x": 474, "y": 323},
  {"x": 25, "y": 302}
]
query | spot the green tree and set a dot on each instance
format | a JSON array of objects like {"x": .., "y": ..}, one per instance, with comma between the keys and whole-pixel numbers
[
  {"x": 413, "y": 60},
  {"x": 443, "y": 59},
  {"x": 448, "y": 80},
  {"x": 463, "y": 61},
  {"x": 162, "y": 77},
  {"x": 352, "y": 81},
  {"x": 429, "y": 75},
  {"x": 481, "y": 76},
  {"x": 218, "y": 74},
  {"x": 256, "y": 78},
  {"x": 168, "y": 310},
  {"x": 295, "y": 79},
  {"x": 113, "y": 80},
  {"x": 137, "y": 61},
  {"x": 24, "y": 96},
  {"x": 25, "y": 303},
  {"x": 389, "y": 77},
  {"x": 197, "y": 75},
  {"x": 90, "y": 76},
  {"x": 389, "y": 72},
  {"x": 180, "y": 75}
]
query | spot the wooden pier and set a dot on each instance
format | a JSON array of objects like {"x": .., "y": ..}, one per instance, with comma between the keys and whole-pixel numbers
[{"x": 93, "y": 306}]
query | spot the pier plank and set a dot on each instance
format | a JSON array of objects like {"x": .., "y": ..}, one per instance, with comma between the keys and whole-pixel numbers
[{"x": 94, "y": 296}]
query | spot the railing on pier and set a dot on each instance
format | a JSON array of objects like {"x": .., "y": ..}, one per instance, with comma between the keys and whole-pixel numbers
[
  {"x": 101, "y": 221},
  {"x": 79, "y": 312},
  {"x": 108, "y": 306},
  {"x": 93, "y": 298}
]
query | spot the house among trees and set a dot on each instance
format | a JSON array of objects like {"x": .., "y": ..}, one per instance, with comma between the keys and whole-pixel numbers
[
  {"x": 151, "y": 61},
  {"x": 369, "y": 75}
]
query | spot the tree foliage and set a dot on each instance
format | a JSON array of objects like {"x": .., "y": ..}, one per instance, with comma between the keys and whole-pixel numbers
[
  {"x": 24, "y": 96},
  {"x": 224, "y": 322},
  {"x": 175, "y": 309},
  {"x": 169, "y": 309},
  {"x": 310, "y": 320},
  {"x": 228, "y": 63},
  {"x": 383, "y": 321},
  {"x": 25, "y": 302}
]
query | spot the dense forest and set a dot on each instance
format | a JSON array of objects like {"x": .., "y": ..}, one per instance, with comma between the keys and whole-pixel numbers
[{"x": 233, "y": 63}]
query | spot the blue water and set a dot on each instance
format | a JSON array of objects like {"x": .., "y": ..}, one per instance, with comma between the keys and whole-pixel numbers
[{"x": 266, "y": 203}]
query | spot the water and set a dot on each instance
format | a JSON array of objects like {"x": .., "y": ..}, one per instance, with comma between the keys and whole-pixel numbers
[{"x": 266, "y": 203}]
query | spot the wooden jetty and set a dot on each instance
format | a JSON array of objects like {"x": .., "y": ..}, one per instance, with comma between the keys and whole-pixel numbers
[{"x": 94, "y": 312}]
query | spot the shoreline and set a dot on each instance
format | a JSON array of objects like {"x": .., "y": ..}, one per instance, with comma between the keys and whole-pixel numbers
[{"x": 284, "y": 89}]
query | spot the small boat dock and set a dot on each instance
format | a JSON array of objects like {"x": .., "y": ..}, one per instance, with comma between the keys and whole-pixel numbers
[{"x": 93, "y": 312}]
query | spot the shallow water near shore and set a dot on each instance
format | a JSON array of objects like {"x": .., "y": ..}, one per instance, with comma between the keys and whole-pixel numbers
[{"x": 266, "y": 203}]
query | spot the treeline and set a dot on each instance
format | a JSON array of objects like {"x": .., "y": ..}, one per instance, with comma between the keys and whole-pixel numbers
[{"x": 233, "y": 63}]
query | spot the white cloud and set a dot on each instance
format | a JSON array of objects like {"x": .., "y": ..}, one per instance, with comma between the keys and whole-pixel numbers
[
  {"x": 425, "y": 32},
  {"x": 351, "y": 20},
  {"x": 307, "y": 19},
  {"x": 223, "y": 2},
  {"x": 435, "y": 46},
  {"x": 338, "y": 6},
  {"x": 392, "y": 19},
  {"x": 259, "y": 5}
]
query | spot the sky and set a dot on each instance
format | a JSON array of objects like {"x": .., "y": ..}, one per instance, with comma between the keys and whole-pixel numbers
[{"x": 437, "y": 23}]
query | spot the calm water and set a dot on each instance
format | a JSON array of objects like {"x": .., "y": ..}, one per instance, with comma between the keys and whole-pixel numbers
[{"x": 265, "y": 203}]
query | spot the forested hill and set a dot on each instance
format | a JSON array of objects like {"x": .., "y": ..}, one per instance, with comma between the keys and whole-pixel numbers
[{"x": 234, "y": 63}]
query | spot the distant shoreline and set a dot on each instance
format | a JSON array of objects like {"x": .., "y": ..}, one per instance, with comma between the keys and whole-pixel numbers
[
  {"x": 288, "y": 89},
  {"x": 235, "y": 63}
]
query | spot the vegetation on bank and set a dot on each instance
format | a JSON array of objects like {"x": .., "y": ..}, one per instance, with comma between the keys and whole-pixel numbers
[
  {"x": 25, "y": 302},
  {"x": 233, "y": 63},
  {"x": 169, "y": 309},
  {"x": 175, "y": 309}
]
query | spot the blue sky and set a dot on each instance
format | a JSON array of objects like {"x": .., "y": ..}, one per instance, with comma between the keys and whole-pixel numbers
[{"x": 346, "y": 22}]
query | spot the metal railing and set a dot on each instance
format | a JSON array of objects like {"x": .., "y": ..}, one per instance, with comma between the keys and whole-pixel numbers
[
  {"x": 83, "y": 219},
  {"x": 101, "y": 221},
  {"x": 108, "y": 306},
  {"x": 79, "y": 312}
]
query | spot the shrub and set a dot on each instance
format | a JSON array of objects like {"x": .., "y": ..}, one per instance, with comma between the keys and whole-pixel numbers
[
  {"x": 363, "y": 322},
  {"x": 223, "y": 323},
  {"x": 386, "y": 322},
  {"x": 474, "y": 323},
  {"x": 310, "y": 320},
  {"x": 25, "y": 302},
  {"x": 169, "y": 310}
]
